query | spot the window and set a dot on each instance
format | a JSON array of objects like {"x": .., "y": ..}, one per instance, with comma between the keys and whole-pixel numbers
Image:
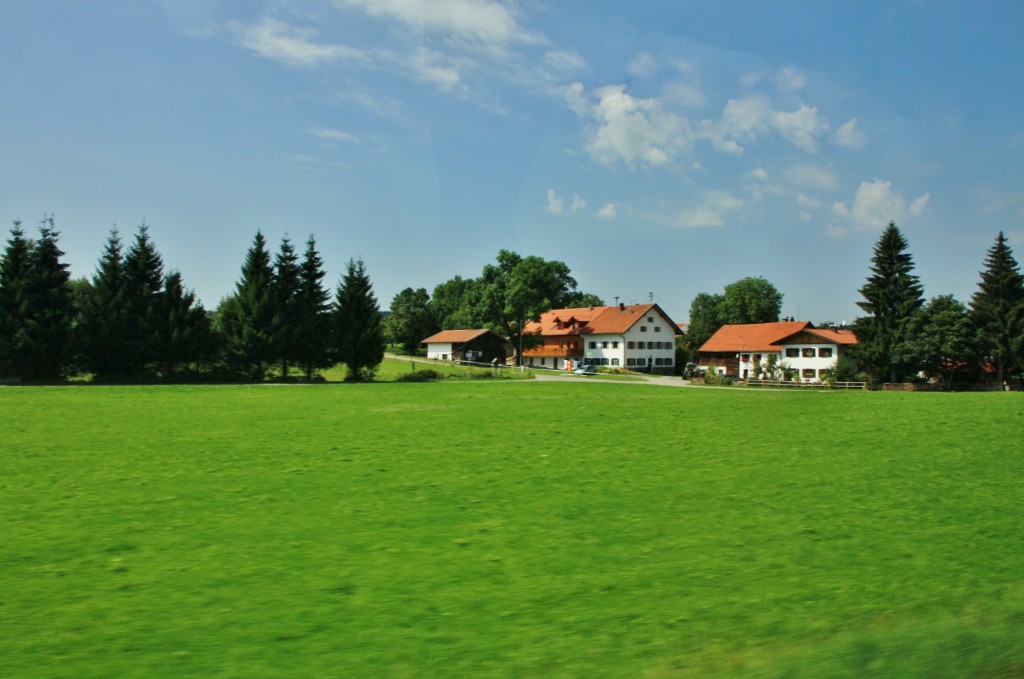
[
  {"x": 615, "y": 361},
  {"x": 643, "y": 328},
  {"x": 745, "y": 358},
  {"x": 825, "y": 352},
  {"x": 808, "y": 373},
  {"x": 807, "y": 352},
  {"x": 631, "y": 345},
  {"x": 650, "y": 319},
  {"x": 604, "y": 345},
  {"x": 542, "y": 360},
  {"x": 630, "y": 361},
  {"x": 792, "y": 353},
  {"x": 604, "y": 361},
  {"x": 657, "y": 328},
  {"x": 593, "y": 345},
  {"x": 615, "y": 345}
]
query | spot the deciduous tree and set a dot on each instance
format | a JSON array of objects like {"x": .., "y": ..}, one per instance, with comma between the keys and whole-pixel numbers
[
  {"x": 944, "y": 338},
  {"x": 411, "y": 319},
  {"x": 750, "y": 300}
]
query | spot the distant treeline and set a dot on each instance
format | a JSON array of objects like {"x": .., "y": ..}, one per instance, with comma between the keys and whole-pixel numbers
[{"x": 132, "y": 321}]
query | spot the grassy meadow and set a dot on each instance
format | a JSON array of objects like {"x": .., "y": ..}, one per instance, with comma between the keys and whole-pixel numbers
[{"x": 509, "y": 529}]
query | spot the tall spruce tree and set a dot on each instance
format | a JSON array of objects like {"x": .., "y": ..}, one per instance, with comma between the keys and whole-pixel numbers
[
  {"x": 892, "y": 297},
  {"x": 142, "y": 306},
  {"x": 186, "y": 336},
  {"x": 358, "y": 332},
  {"x": 14, "y": 304},
  {"x": 247, "y": 318},
  {"x": 50, "y": 313},
  {"x": 311, "y": 340},
  {"x": 286, "y": 318},
  {"x": 103, "y": 325},
  {"x": 997, "y": 311}
]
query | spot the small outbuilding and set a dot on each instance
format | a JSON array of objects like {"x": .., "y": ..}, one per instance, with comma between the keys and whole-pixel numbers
[{"x": 469, "y": 346}]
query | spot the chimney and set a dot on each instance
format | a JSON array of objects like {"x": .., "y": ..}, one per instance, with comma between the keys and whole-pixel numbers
[{"x": 622, "y": 306}]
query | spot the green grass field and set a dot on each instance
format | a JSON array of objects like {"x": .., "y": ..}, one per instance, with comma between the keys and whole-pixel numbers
[{"x": 509, "y": 529}]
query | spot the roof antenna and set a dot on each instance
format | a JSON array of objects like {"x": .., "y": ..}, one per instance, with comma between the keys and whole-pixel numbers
[
  {"x": 650, "y": 297},
  {"x": 616, "y": 300}
]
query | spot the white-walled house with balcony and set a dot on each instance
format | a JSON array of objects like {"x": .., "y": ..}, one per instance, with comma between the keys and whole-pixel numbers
[
  {"x": 637, "y": 337},
  {"x": 744, "y": 350}
]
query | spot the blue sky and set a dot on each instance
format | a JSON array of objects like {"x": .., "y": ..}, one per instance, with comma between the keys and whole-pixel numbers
[{"x": 655, "y": 147}]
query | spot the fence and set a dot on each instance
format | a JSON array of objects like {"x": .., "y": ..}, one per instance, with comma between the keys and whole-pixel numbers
[{"x": 807, "y": 385}]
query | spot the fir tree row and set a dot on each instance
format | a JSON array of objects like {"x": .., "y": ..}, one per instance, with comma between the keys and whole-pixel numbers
[
  {"x": 902, "y": 334},
  {"x": 133, "y": 322}
]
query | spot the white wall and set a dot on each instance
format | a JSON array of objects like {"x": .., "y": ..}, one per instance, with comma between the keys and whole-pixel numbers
[{"x": 440, "y": 351}]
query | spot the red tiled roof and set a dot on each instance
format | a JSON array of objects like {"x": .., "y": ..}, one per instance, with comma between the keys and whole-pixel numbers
[
  {"x": 768, "y": 336},
  {"x": 454, "y": 336}
]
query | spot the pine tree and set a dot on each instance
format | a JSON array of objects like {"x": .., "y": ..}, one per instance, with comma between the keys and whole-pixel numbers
[
  {"x": 47, "y": 328},
  {"x": 892, "y": 297},
  {"x": 14, "y": 304},
  {"x": 247, "y": 318},
  {"x": 998, "y": 310},
  {"x": 141, "y": 304},
  {"x": 186, "y": 335},
  {"x": 311, "y": 339},
  {"x": 102, "y": 328},
  {"x": 286, "y": 319},
  {"x": 358, "y": 332}
]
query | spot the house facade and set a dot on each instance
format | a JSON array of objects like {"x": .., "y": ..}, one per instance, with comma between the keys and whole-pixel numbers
[
  {"x": 473, "y": 346},
  {"x": 746, "y": 350},
  {"x": 638, "y": 337}
]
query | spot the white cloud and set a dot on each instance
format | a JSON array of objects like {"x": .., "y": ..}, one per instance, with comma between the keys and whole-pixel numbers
[
  {"x": 876, "y": 204},
  {"x": 754, "y": 117},
  {"x": 630, "y": 129},
  {"x": 334, "y": 135},
  {"x": 848, "y": 135},
  {"x": 788, "y": 80},
  {"x": 683, "y": 94},
  {"x": 607, "y": 211},
  {"x": 556, "y": 205},
  {"x": 288, "y": 44},
  {"x": 711, "y": 212},
  {"x": 920, "y": 203},
  {"x": 643, "y": 65},
  {"x": 801, "y": 127},
  {"x": 807, "y": 202},
  {"x": 578, "y": 203},
  {"x": 759, "y": 174},
  {"x": 478, "y": 25},
  {"x": 435, "y": 68},
  {"x": 812, "y": 177},
  {"x": 564, "y": 61}
]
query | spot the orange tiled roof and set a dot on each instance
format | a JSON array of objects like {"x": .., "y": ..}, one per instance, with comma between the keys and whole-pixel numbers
[
  {"x": 768, "y": 336},
  {"x": 454, "y": 336},
  {"x": 598, "y": 320},
  {"x": 836, "y": 336}
]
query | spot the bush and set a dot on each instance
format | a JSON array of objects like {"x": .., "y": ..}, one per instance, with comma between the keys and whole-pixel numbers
[{"x": 425, "y": 375}]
